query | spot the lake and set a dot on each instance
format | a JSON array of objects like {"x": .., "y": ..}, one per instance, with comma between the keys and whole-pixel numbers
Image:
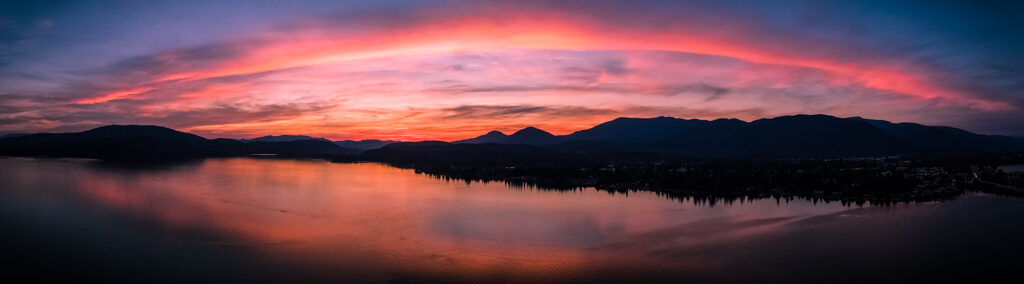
[{"x": 277, "y": 220}]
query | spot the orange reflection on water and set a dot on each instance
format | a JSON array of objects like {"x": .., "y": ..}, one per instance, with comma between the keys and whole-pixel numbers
[{"x": 376, "y": 223}]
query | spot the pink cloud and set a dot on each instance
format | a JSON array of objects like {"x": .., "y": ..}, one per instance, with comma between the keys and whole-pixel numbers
[{"x": 398, "y": 75}]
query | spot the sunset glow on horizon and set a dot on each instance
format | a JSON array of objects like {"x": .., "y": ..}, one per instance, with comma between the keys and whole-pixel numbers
[{"x": 443, "y": 70}]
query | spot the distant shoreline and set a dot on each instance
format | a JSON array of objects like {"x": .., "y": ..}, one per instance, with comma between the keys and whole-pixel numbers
[
  {"x": 1015, "y": 168},
  {"x": 850, "y": 181},
  {"x": 877, "y": 181}
]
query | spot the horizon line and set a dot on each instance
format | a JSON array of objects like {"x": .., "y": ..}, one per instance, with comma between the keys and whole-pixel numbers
[{"x": 185, "y": 129}]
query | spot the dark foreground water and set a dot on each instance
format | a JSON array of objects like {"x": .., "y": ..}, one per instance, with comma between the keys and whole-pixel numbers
[{"x": 294, "y": 221}]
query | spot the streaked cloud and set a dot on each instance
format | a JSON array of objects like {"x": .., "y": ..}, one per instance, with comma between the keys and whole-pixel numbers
[{"x": 450, "y": 69}]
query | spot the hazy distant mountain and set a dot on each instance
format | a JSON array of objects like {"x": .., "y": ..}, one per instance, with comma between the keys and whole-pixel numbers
[
  {"x": 361, "y": 145},
  {"x": 436, "y": 151},
  {"x": 297, "y": 147},
  {"x": 283, "y": 138},
  {"x": 528, "y": 136},
  {"x": 364, "y": 145},
  {"x": 152, "y": 142}
]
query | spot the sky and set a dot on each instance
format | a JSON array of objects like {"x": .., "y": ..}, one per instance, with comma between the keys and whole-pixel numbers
[{"x": 446, "y": 70}]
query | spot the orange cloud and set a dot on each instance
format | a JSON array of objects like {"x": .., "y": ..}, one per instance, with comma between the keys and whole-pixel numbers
[
  {"x": 552, "y": 30},
  {"x": 114, "y": 96},
  {"x": 321, "y": 44}
]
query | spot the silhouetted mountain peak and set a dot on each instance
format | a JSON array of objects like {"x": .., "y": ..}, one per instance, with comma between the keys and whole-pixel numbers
[
  {"x": 623, "y": 118},
  {"x": 799, "y": 117},
  {"x": 284, "y": 138},
  {"x": 633, "y": 130},
  {"x": 491, "y": 137},
  {"x": 531, "y": 136},
  {"x": 117, "y": 128},
  {"x": 136, "y": 131},
  {"x": 531, "y": 131},
  {"x": 415, "y": 145}
]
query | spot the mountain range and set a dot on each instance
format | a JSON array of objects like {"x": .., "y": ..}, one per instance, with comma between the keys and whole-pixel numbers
[
  {"x": 797, "y": 135},
  {"x": 126, "y": 142},
  {"x": 528, "y": 136},
  {"x": 361, "y": 145},
  {"x": 784, "y": 136}
]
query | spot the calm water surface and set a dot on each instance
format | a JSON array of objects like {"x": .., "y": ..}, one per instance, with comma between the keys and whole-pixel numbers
[{"x": 285, "y": 220}]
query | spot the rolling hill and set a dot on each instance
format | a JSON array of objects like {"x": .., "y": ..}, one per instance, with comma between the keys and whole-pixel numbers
[{"x": 123, "y": 142}]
